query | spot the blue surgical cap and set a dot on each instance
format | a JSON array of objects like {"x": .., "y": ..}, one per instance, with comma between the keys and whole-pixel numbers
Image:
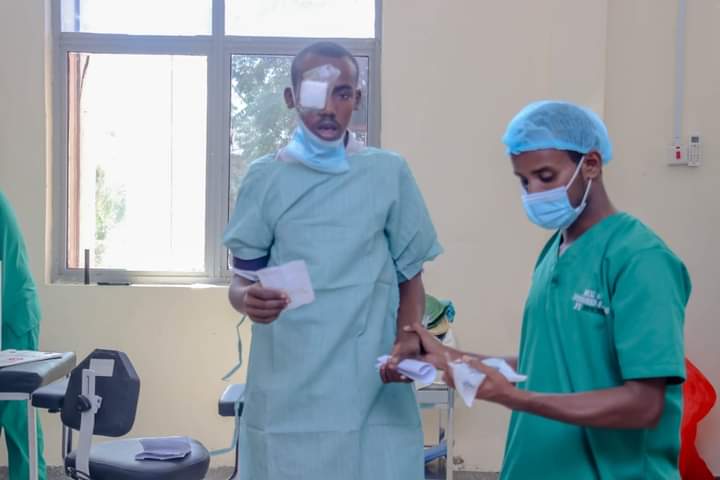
[{"x": 557, "y": 125}]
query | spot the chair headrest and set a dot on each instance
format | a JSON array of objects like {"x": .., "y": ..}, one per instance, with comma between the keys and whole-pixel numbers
[{"x": 116, "y": 382}]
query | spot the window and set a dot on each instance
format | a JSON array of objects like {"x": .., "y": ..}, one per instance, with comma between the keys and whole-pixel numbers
[
  {"x": 137, "y": 17},
  {"x": 301, "y": 18},
  {"x": 158, "y": 112}
]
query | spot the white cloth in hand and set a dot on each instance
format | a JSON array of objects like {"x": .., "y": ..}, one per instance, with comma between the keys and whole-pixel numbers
[
  {"x": 415, "y": 369},
  {"x": 468, "y": 380},
  {"x": 293, "y": 278}
]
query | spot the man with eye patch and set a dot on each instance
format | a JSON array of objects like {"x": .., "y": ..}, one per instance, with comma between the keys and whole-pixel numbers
[
  {"x": 316, "y": 407},
  {"x": 602, "y": 334}
]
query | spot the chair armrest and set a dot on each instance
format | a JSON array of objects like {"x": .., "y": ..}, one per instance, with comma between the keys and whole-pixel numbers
[
  {"x": 226, "y": 404},
  {"x": 51, "y": 396}
]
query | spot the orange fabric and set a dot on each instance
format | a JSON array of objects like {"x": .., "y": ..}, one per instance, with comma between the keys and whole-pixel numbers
[{"x": 698, "y": 399}]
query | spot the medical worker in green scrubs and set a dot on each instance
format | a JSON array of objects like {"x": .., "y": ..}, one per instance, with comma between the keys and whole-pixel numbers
[
  {"x": 602, "y": 333},
  {"x": 20, "y": 331}
]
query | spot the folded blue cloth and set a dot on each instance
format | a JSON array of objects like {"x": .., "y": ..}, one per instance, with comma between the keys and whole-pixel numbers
[{"x": 164, "y": 448}]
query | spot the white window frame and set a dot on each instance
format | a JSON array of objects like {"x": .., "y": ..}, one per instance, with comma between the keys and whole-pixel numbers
[{"x": 218, "y": 49}]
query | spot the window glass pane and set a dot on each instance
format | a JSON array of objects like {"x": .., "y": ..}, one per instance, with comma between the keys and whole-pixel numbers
[
  {"x": 138, "y": 17},
  {"x": 301, "y": 18},
  {"x": 260, "y": 122},
  {"x": 136, "y": 161}
]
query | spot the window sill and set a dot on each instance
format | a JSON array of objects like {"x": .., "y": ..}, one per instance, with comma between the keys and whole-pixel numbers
[{"x": 189, "y": 286}]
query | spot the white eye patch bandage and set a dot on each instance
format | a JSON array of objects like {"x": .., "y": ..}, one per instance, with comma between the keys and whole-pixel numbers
[
  {"x": 313, "y": 94},
  {"x": 317, "y": 86}
]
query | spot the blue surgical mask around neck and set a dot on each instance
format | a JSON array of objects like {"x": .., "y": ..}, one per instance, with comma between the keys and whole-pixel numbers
[{"x": 326, "y": 156}]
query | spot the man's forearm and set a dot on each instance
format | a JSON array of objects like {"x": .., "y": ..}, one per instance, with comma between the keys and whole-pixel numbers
[
  {"x": 636, "y": 404},
  {"x": 412, "y": 305}
]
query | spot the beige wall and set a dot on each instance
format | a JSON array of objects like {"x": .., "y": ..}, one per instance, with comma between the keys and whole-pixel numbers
[
  {"x": 181, "y": 340},
  {"x": 680, "y": 203},
  {"x": 453, "y": 72}
]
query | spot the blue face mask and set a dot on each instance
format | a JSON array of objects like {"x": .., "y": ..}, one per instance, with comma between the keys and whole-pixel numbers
[
  {"x": 552, "y": 209},
  {"x": 316, "y": 153}
]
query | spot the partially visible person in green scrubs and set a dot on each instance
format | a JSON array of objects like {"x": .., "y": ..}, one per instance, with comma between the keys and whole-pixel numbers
[
  {"x": 20, "y": 331},
  {"x": 602, "y": 334}
]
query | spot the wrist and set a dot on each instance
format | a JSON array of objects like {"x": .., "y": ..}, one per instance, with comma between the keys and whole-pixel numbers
[
  {"x": 518, "y": 400},
  {"x": 403, "y": 336}
]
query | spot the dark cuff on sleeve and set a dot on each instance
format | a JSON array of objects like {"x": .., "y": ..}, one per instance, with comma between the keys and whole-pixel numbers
[{"x": 251, "y": 265}]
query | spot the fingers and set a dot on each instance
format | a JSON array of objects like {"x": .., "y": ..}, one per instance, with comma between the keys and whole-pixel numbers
[
  {"x": 439, "y": 361},
  {"x": 416, "y": 328},
  {"x": 263, "y": 293},
  {"x": 396, "y": 356},
  {"x": 429, "y": 343},
  {"x": 391, "y": 375},
  {"x": 406, "y": 347},
  {"x": 263, "y": 305},
  {"x": 472, "y": 361},
  {"x": 384, "y": 374},
  {"x": 393, "y": 362},
  {"x": 480, "y": 366},
  {"x": 260, "y": 304},
  {"x": 262, "y": 316},
  {"x": 448, "y": 379}
]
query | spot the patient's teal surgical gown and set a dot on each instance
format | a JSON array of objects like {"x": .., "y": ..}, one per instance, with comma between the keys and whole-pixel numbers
[{"x": 316, "y": 408}]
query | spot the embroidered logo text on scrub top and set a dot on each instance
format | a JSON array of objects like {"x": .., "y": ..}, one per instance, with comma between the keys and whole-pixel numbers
[{"x": 590, "y": 300}]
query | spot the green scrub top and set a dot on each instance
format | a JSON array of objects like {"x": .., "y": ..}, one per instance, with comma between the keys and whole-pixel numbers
[
  {"x": 20, "y": 307},
  {"x": 611, "y": 308},
  {"x": 315, "y": 407}
]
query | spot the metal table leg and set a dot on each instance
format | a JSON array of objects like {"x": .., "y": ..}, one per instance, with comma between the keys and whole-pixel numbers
[
  {"x": 449, "y": 436},
  {"x": 32, "y": 440}
]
